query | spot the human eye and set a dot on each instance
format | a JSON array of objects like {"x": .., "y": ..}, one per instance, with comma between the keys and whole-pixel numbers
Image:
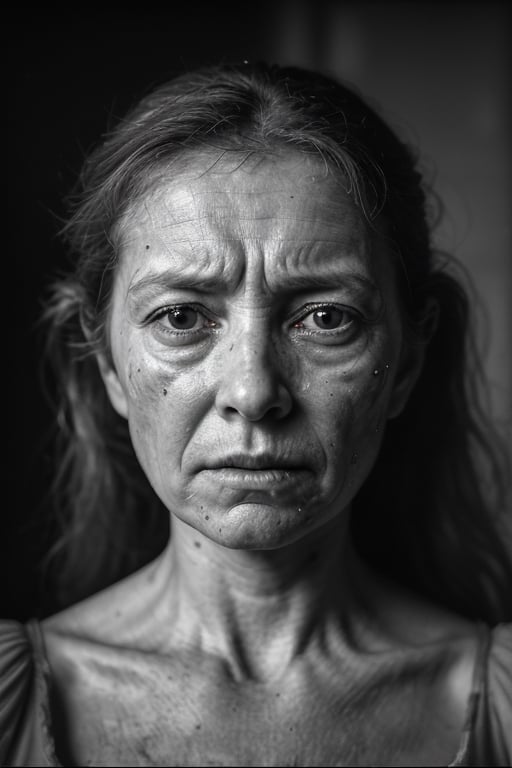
[
  {"x": 328, "y": 322},
  {"x": 181, "y": 323}
]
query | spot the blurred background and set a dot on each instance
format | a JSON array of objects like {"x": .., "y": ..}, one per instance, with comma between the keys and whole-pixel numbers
[{"x": 440, "y": 73}]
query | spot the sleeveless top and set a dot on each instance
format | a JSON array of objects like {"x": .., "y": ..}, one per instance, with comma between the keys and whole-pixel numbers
[{"x": 26, "y": 737}]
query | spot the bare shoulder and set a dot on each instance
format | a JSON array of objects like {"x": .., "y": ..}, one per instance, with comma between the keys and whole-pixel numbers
[
  {"x": 113, "y": 617},
  {"x": 405, "y": 618},
  {"x": 441, "y": 646}
]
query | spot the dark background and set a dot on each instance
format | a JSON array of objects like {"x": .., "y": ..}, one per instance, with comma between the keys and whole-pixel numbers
[{"x": 440, "y": 72}]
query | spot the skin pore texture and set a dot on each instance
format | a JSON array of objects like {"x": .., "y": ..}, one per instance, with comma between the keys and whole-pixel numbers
[{"x": 257, "y": 353}]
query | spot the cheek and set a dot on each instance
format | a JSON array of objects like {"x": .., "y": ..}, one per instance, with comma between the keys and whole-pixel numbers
[
  {"x": 162, "y": 404},
  {"x": 356, "y": 393},
  {"x": 349, "y": 415},
  {"x": 371, "y": 394},
  {"x": 147, "y": 384}
]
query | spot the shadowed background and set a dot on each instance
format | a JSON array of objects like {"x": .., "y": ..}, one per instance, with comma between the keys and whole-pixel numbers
[{"x": 438, "y": 72}]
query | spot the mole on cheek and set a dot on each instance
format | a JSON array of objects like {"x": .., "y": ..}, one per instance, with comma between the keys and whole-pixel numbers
[{"x": 138, "y": 380}]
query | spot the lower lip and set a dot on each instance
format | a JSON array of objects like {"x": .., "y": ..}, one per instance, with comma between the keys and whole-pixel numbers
[{"x": 258, "y": 479}]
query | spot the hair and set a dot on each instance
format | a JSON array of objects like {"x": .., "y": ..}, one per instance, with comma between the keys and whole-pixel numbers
[{"x": 427, "y": 514}]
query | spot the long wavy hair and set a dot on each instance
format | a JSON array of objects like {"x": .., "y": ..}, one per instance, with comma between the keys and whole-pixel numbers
[{"x": 428, "y": 513}]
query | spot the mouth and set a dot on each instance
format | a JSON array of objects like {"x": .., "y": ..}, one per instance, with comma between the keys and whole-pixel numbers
[
  {"x": 257, "y": 463},
  {"x": 261, "y": 472}
]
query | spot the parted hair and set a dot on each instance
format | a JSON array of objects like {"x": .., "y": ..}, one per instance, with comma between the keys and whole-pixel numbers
[{"x": 429, "y": 512}]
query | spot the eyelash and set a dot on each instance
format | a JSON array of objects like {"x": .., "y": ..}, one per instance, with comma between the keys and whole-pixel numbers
[
  {"x": 353, "y": 323},
  {"x": 355, "y": 318},
  {"x": 164, "y": 311}
]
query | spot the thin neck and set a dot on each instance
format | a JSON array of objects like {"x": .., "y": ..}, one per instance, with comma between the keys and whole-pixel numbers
[{"x": 259, "y": 609}]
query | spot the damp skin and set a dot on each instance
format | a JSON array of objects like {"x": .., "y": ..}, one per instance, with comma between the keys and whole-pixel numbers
[{"x": 254, "y": 315}]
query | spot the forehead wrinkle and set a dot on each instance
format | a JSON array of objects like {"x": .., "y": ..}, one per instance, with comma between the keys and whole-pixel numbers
[
  {"x": 191, "y": 204},
  {"x": 223, "y": 198},
  {"x": 201, "y": 269},
  {"x": 229, "y": 228},
  {"x": 185, "y": 219},
  {"x": 307, "y": 268},
  {"x": 296, "y": 259}
]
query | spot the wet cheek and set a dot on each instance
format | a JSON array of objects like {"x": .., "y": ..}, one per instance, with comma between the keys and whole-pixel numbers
[
  {"x": 369, "y": 407},
  {"x": 371, "y": 393},
  {"x": 353, "y": 410}
]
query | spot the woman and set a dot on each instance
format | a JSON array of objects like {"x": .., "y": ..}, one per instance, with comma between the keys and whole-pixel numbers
[{"x": 257, "y": 335}]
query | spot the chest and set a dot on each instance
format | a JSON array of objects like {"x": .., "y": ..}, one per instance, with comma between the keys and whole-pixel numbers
[{"x": 165, "y": 714}]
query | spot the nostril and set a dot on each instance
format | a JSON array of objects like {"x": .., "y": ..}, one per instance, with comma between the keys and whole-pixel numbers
[{"x": 253, "y": 398}]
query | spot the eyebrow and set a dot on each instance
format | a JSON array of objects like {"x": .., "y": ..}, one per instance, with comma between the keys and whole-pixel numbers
[{"x": 154, "y": 283}]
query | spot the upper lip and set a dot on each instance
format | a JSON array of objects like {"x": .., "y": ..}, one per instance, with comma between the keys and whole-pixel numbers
[{"x": 255, "y": 461}]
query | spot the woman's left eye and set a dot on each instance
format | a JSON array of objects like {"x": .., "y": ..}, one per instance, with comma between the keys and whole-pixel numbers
[{"x": 326, "y": 318}]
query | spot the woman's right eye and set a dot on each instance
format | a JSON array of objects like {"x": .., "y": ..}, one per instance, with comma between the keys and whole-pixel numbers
[
  {"x": 182, "y": 318},
  {"x": 182, "y": 321}
]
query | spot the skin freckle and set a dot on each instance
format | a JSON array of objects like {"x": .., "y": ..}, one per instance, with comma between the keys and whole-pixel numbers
[{"x": 318, "y": 389}]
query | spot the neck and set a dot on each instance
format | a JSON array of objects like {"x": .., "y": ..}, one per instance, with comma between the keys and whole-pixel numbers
[{"x": 258, "y": 610}]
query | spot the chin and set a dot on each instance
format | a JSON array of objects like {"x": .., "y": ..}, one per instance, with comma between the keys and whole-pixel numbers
[{"x": 255, "y": 525}]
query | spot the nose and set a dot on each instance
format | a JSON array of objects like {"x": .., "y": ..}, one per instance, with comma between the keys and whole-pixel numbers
[{"x": 252, "y": 384}]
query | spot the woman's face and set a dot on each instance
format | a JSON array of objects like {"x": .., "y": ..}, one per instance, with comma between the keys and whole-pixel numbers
[{"x": 257, "y": 346}]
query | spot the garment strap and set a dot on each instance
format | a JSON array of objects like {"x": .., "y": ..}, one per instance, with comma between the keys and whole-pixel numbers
[
  {"x": 37, "y": 641},
  {"x": 477, "y": 689},
  {"x": 42, "y": 686}
]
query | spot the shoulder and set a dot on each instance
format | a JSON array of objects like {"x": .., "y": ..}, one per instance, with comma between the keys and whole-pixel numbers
[
  {"x": 403, "y": 619},
  {"x": 107, "y": 631},
  {"x": 109, "y": 617}
]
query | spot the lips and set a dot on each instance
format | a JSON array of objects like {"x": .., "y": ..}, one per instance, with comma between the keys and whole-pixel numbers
[
  {"x": 256, "y": 462},
  {"x": 242, "y": 474}
]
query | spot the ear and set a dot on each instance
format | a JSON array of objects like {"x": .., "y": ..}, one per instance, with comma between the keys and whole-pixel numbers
[
  {"x": 113, "y": 385},
  {"x": 412, "y": 359}
]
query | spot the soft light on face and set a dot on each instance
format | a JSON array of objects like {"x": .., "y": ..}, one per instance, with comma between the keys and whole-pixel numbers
[{"x": 257, "y": 346}]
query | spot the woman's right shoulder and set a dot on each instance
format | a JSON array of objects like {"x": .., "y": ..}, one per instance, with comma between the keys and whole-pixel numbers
[{"x": 110, "y": 617}]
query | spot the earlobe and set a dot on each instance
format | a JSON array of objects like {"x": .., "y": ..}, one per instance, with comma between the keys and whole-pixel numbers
[{"x": 113, "y": 386}]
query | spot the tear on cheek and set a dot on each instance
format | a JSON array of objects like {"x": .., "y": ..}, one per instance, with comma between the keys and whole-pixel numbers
[
  {"x": 381, "y": 371},
  {"x": 377, "y": 378},
  {"x": 370, "y": 403}
]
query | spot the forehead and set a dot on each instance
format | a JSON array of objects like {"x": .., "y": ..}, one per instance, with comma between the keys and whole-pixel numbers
[{"x": 289, "y": 212}]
